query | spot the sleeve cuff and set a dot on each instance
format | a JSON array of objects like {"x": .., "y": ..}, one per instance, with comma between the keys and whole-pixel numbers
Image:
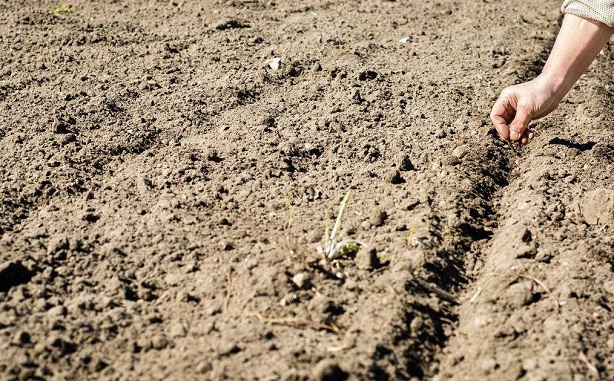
[{"x": 598, "y": 10}]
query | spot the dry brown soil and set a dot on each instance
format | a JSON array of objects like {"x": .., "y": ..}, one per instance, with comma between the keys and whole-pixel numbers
[{"x": 163, "y": 194}]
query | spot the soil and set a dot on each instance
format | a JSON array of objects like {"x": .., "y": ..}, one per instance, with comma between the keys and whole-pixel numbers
[{"x": 166, "y": 195}]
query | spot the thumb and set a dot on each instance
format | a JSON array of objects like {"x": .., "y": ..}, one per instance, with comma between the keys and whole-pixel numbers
[{"x": 520, "y": 123}]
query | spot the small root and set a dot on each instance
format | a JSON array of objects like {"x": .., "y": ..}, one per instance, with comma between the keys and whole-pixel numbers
[{"x": 540, "y": 283}]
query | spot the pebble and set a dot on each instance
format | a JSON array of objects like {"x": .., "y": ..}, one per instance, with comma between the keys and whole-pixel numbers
[
  {"x": 460, "y": 151},
  {"x": 227, "y": 349},
  {"x": 57, "y": 311},
  {"x": 302, "y": 280},
  {"x": 204, "y": 367},
  {"x": 274, "y": 63},
  {"x": 159, "y": 342},
  {"x": 328, "y": 370},
  {"x": 177, "y": 330}
]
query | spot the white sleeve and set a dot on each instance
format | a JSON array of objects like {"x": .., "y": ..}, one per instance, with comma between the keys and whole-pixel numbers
[{"x": 599, "y": 10}]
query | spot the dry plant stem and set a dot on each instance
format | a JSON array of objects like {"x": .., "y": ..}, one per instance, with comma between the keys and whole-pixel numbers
[
  {"x": 436, "y": 290},
  {"x": 591, "y": 368},
  {"x": 330, "y": 247},
  {"x": 540, "y": 283},
  {"x": 294, "y": 322}
]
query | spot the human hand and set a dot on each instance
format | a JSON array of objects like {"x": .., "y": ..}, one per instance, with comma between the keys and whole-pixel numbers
[{"x": 519, "y": 104}]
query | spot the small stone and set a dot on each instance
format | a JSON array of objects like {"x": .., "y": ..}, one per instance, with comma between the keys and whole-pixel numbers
[
  {"x": 316, "y": 67},
  {"x": 609, "y": 286},
  {"x": 177, "y": 330},
  {"x": 488, "y": 365},
  {"x": 57, "y": 311},
  {"x": 274, "y": 63},
  {"x": 226, "y": 245},
  {"x": 204, "y": 367},
  {"x": 328, "y": 370},
  {"x": 159, "y": 342},
  {"x": 228, "y": 349},
  {"x": 302, "y": 280},
  {"x": 251, "y": 263},
  {"x": 366, "y": 259},
  {"x": 460, "y": 151},
  {"x": 523, "y": 205},
  {"x": 393, "y": 176}
]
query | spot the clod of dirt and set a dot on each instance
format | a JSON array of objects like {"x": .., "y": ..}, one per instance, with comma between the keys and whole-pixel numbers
[
  {"x": 177, "y": 330},
  {"x": 302, "y": 280},
  {"x": 393, "y": 176},
  {"x": 366, "y": 259},
  {"x": 450, "y": 160},
  {"x": 378, "y": 218},
  {"x": 56, "y": 244},
  {"x": 367, "y": 75},
  {"x": 328, "y": 370},
  {"x": 405, "y": 163},
  {"x": 13, "y": 274},
  {"x": 230, "y": 24},
  {"x": 598, "y": 207},
  {"x": 520, "y": 294},
  {"x": 21, "y": 337}
]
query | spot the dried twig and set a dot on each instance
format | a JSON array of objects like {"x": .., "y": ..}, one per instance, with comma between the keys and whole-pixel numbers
[
  {"x": 591, "y": 368},
  {"x": 475, "y": 296},
  {"x": 228, "y": 290},
  {"x": 556, "y": 301},
  {"x": 436, "y": 290}
]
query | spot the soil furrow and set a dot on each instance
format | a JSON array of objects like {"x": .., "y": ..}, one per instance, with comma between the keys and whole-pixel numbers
[{"x": 537, "y": 308}]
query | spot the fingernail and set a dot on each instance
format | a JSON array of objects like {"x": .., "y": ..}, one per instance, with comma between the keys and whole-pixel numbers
[{"x": 514, "y": 135}]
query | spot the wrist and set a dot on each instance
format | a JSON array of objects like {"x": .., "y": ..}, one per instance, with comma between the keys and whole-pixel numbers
[{"x": 558, "y": 85}]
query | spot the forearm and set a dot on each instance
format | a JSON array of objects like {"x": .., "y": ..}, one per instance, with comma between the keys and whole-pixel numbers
[{"x": 578, "y": 43}]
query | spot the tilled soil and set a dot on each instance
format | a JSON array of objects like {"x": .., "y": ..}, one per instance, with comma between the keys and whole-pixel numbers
[{"x": 166, "y": 195}]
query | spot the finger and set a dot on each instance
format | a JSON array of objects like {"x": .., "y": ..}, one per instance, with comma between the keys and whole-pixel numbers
[
  {"x": 520, "y": 123},
  {"x": 501, "y": 126},
  {"x": 500, "y": 118}
]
